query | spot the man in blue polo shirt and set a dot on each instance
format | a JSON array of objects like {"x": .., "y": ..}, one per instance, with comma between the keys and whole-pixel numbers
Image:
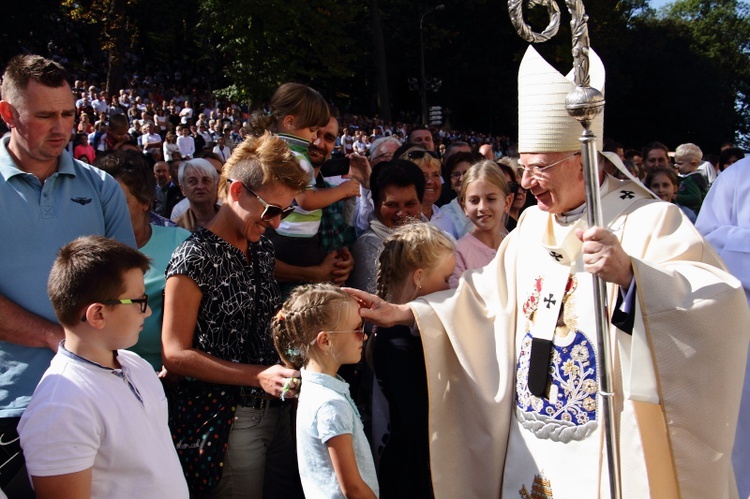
[{"x": 47, "y": 199}]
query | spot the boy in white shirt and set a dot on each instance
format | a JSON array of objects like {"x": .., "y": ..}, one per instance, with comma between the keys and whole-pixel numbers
[
  {"x": 96, "y": 425},
  {"x": 185, "y": 142}
]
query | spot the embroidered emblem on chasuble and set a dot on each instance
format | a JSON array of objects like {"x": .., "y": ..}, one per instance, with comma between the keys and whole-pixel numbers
[{"x": 568, "y": 410}]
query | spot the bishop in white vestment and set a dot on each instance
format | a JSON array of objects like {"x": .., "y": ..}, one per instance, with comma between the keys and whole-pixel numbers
[{"x": 511, "y": 354}]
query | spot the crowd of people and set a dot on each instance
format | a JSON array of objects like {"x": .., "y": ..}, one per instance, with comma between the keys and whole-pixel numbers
[{"x": 330, "y": 305}]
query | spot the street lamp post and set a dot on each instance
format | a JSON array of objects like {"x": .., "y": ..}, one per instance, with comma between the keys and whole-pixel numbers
[{"x": 422, "y": 82}]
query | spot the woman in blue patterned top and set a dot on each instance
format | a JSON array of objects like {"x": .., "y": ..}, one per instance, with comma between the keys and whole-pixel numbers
[{"x": 219, "y": 299}]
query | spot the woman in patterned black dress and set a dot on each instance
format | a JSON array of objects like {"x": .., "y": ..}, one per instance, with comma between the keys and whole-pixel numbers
[{"x": 220, "y": 296}]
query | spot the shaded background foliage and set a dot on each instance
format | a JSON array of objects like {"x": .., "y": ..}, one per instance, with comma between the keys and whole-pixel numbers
[{"x": 675, "y": 75}]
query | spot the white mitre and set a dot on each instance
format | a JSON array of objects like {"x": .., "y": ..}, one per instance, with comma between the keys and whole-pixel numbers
[{"x": 544, "y": 124}]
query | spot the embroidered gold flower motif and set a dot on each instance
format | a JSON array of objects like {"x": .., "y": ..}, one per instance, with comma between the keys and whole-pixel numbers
[
  {"x": 580, "y": 353},
  {"x": 570, "y": 368},
  {"x": 589, "y": 404},
  {"x": 589, "y": 386}
]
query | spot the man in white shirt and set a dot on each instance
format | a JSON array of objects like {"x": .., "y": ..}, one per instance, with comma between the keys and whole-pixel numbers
[
  {"x": 149, "y": 139},
  {"x": 203, "y": 132},
  {"x": 100, "y": 104},
  {"x": 360, "y": 145},
  {"x": 221, "y": 149},
  {"x": 186, "y": 114}
]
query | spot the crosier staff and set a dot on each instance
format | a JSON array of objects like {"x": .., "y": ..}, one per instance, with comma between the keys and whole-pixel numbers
[{"x": 584, "y": 103}]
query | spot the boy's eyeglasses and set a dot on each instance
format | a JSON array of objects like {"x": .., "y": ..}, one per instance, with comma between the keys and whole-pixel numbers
[
  {"x": 419, "y": 154},
  {"x": 142, "y": 302},
  {"x": 270, "y": 211}
]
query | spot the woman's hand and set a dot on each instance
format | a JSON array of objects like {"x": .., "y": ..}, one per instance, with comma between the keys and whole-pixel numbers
[
  {"x": 379, "y": 311},
  {"x": 344, "y": 266},
  {"x": 277, "y": 380},
  {"x": 168, "y": 379}
]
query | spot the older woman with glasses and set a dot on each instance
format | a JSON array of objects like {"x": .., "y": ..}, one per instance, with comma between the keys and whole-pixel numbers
[
  {"x": 219, "y": 300},
  {"x": 428, "y": 162},
  {"x": 198, "y": 180}
]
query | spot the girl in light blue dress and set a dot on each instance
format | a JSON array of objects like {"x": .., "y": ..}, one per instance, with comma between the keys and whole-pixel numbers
[{"x": 317, "y": 331}]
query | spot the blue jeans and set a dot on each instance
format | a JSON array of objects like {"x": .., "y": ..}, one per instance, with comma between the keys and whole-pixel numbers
[{"x": 261, "y": 457}]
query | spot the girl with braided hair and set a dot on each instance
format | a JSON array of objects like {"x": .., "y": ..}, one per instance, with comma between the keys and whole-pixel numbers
[
  {"x": 417, "y": 259},
  {"x": 317, "y": 331}
]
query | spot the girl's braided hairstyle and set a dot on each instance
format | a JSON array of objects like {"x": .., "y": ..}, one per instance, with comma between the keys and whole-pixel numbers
[
  {"x": 310, "y": 309},
  {"x": 410, "y": 247}
]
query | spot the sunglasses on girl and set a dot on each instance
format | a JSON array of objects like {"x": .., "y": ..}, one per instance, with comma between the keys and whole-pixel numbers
[
  {"x": 360, "y": 332},
  {"x": 270, "y": 211}
]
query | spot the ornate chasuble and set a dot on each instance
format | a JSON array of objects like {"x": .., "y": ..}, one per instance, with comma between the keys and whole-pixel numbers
[
  {"x": 555, "y": 434},
  {"x": 496, "y": 430}
]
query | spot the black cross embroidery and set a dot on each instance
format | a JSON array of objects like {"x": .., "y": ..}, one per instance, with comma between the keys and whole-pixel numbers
[
  {"x": 549, "y": 301},
  {"x": 627, "y": 194},
  {"x": 556, "y": 256}
]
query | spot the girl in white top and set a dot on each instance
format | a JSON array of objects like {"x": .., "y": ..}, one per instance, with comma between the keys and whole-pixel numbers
[
  {"x": 486, "y": 199},
  {"x": 317, "y": 330},
  {"x": 170, "y": 146}
]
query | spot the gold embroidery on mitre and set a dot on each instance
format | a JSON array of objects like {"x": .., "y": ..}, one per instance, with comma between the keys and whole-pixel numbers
[{"x": 540, "y": 488}]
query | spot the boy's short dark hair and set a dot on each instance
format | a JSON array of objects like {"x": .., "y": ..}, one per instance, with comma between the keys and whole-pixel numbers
[
  {"x": 118, "y": 123},
  {"x": 87, "y": 270}
]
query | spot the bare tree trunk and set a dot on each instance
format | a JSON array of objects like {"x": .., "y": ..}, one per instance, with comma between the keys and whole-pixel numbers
[
  {"x": 381, "y": 69},
  {"x": 116, "y": 42}
]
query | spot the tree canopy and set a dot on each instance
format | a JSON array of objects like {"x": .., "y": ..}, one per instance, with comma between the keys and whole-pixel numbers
[{"x": 676, "y": 75}]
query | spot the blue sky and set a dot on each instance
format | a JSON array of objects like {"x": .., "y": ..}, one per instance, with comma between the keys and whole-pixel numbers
[{"x": 659, "y": 3}]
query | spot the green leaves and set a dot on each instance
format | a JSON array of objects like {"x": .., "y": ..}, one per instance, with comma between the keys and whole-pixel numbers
[{"x": 264, "y": 43}]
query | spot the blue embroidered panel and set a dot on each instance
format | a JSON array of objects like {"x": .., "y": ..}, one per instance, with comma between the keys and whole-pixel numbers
[{"x": 569, "y": 412}]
